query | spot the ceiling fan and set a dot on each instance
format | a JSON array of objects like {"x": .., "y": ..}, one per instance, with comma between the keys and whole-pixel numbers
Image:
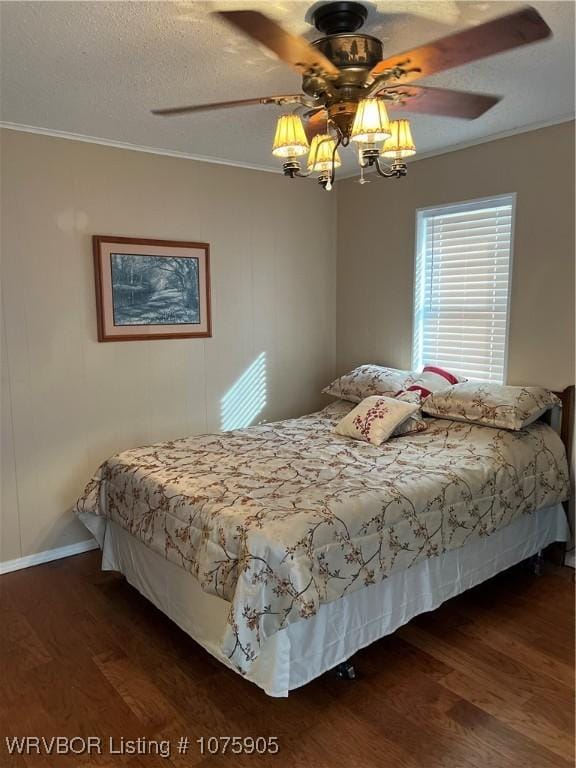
[{"x": 347, "y": 85}]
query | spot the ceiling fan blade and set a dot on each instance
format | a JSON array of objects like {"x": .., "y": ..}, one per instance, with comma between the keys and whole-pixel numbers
[
  {"x": 291, "y": 99},
  {"x": 502, "y": 34},
  {"x": 316, "y": 122},
  {"x": 440, "y": 101},
  {"x": 293, "y": 50}
]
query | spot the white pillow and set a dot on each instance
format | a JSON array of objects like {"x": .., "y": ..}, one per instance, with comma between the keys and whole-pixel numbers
[
  {"x": 494, "y": 405},
  {"x": 375, "y": 418},
  {"x": 367, "y": 380}
]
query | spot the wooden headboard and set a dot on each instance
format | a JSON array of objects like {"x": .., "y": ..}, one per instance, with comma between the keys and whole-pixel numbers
[
  {"x": 557, "y": 552},
  {"x": 567, "y": 424}
]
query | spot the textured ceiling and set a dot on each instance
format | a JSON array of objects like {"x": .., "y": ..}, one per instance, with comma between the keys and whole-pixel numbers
[{"x": 97, "y": 68}]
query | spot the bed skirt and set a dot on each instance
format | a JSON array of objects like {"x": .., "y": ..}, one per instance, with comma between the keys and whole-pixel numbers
[{"x": 308, "y": 648}]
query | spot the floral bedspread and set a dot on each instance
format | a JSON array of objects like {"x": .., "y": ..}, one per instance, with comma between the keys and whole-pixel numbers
[{"x": 279, "y": 518}]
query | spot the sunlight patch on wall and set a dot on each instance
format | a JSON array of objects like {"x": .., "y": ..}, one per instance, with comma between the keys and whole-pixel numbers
[{"x": 246, "y": 399}]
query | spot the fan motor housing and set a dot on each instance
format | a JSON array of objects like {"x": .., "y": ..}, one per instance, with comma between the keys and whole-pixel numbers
[
  {"x": 350, "y": 51},
  {"x": 335, "y": 18},
  {"x": 353, "y": 53}
]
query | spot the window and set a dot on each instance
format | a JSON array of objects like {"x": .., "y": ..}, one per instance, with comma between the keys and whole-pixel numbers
[{"x": 462, "y": 287}]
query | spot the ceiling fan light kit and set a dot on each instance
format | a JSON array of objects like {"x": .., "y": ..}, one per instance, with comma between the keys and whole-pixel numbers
[
  {"x": 290, "y": 138},
  {"x": 323, "y": 154},
  {"x": 348, "y": 86},
  {"x": 371, "y": 123},
  {"x": 400, "y": 144}
]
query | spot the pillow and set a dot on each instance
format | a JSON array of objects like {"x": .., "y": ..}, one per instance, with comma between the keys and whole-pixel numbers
[
  {"x": 375, "y": 418},
  {"x": 494, "y": 405},
  {"x": 432, "y": 379},
  {"x": 367, "y": 380},
  {"x": 414, "y": 423}
]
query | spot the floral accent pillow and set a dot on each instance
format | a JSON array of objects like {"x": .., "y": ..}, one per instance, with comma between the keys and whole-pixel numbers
[
  {"x": 432, "y": 379},
  {"x": 375, "y": 419},
  {"x": 367, "y": 380},
  {"x": 494, "y": 405}
]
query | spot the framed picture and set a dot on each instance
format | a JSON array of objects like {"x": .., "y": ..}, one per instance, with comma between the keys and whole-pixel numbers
[{"x": 151, "y": 289}]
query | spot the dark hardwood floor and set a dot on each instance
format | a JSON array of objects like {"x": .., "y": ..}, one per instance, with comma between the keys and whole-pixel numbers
[{"x": 486, "y": 681}]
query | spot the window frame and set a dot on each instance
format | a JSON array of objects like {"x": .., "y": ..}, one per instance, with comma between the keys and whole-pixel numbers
[{"x": 418, "y": 293}]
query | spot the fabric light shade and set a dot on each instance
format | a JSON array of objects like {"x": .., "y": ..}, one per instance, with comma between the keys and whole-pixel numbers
[
  {"x": 400, "y": 144},
  {"x": 371, "y": 123},
  {"x": 321, "y": 154},
  {"x": 290, "y": 139}
]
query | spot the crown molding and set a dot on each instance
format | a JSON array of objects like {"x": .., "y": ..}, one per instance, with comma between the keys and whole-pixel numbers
[
  {"x": 253, "y": 167},
  {"x": 476, "y": 142},
  {"x": 127, "y": 145}
]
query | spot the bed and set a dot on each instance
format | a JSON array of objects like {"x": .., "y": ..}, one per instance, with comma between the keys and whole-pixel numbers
[{"x": 284, "y": 548}]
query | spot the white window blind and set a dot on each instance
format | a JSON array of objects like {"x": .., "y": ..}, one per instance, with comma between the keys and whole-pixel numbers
[{"x": 462, "y": 287}]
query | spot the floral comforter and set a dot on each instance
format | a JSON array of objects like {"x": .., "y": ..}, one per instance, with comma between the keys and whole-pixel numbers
[{"x": 279, "y": 518}]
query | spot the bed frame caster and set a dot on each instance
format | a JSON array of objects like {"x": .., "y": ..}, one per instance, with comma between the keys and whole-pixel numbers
[
  {"x": 537, "y": 562},
  {"x": 345, "y": 671}
]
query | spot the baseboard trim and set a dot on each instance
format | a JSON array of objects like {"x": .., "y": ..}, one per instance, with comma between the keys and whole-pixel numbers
[
  {"x": 570, "y": 559},
  {"x": 47, "y": 556}
]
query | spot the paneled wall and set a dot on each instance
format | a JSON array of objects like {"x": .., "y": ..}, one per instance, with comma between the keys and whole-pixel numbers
[
  {"x": 376, "y": 242},
  {"x": 69, "y": 402}
]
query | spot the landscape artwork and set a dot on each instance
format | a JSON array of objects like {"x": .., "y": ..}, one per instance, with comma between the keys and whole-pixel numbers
[
  {"x": 154, "y": 290},
  {"x": 151, "y": 289}
]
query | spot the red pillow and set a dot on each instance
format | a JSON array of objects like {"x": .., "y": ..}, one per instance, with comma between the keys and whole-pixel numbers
[{"x": 433, "y": 379}]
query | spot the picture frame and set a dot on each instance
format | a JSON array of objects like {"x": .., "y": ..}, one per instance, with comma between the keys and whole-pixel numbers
[{"x": 151, "y": 289}]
